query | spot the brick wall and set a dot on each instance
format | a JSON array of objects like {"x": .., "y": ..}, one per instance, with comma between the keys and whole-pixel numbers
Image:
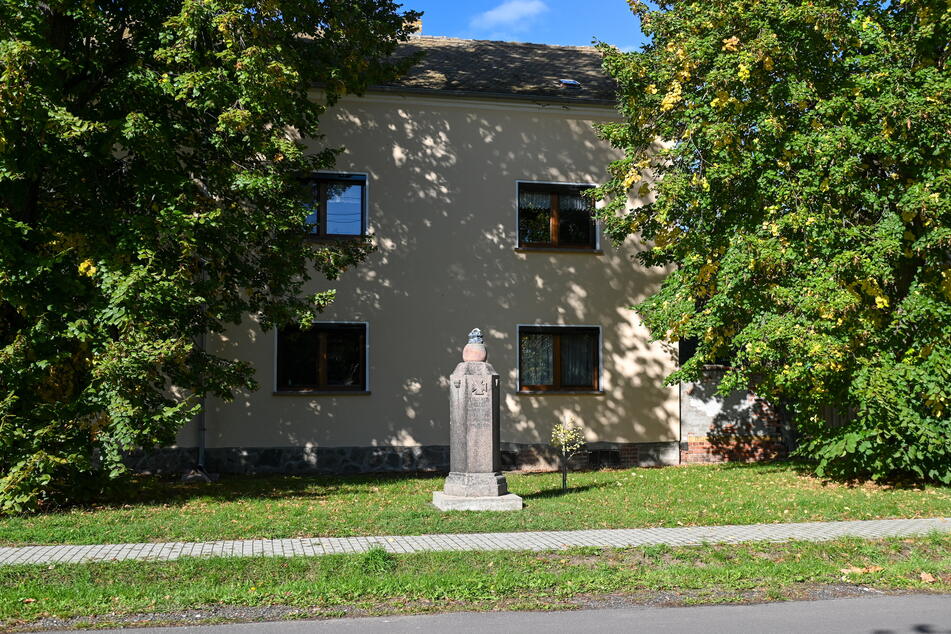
[
  {"x": 597, "y": 455},
  {"x": 738, "y": 428}
]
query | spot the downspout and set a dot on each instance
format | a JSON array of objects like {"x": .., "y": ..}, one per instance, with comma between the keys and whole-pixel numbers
[
  {"x": 200, "y": 419},
  {"x": 680, "y": 422}
]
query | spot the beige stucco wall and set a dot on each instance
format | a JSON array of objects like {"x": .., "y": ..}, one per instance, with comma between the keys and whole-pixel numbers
[{"x": 442, "y": 180}]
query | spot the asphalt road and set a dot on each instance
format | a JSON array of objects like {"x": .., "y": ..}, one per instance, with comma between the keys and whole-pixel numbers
[{"x": 918, "y": 614}]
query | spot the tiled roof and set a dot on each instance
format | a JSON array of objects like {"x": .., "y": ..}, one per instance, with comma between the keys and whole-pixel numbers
[{"x": 510, "y": 70}]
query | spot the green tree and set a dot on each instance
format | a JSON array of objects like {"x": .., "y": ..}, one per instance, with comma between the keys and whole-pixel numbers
[
  {"x": 149, "y": 155},
  {"x": 797, "y": 161}
]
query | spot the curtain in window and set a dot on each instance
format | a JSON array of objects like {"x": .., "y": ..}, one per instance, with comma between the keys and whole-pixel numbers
[
  {"x": 537, "y": 359},
  {"x": 574, "y": 213},
  {"x": 577, "y": 360},
  {"x": 534, "y": 216},
  {"x": 574, "y": 202}
]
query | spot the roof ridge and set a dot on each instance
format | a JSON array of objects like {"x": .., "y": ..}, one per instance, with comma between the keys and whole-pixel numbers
[{"x": 419, "y": 36}]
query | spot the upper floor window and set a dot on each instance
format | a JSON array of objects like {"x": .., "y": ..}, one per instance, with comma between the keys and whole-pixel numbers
[
  {"x": 559, "y": 358},
  {"x": 337, "y": 203},
  {"x": 327, "y": 357},
  {"x": 555, "y": 216}
]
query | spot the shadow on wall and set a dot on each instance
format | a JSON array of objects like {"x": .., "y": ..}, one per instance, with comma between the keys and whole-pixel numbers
[
  {"x": 442, "y": 212},
  {"x": 738, "y": 428}
]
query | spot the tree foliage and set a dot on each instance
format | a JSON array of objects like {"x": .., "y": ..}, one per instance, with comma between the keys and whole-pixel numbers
[
  {"x": 150, "y": 152},
  {"x": 796, "y": 156}
]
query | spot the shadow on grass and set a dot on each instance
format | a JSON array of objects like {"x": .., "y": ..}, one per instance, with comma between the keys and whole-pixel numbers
[
  {"x": 149, "y": 490},
  {"x": 807, "y": 469},
  {"x": 899, "y": 481},
  {"x": 559, "y": 492}
]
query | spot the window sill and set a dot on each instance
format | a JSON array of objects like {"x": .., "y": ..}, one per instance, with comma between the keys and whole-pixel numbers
[
  {"x": 558, "y": 250},
  {"x": 337, "y": 238},
  {"x": 559, "y": 392},
  {"x": 321, "y": 393}
]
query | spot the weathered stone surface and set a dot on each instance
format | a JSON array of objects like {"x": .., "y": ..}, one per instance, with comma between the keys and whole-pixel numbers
[
  {"x": 475, "y": 484},
  {"x": 444, "y": 502},
  {"x": 427, "y": 458},
  {"x": 474, "y": 395},
  {"x": 296, "y": 460}
]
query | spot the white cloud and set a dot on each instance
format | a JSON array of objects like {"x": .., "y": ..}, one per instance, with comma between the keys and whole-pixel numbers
[{"x": 511, "y": 15}]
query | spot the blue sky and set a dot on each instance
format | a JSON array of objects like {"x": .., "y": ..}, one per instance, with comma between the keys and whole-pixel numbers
[{"x": 567, "y": 22}]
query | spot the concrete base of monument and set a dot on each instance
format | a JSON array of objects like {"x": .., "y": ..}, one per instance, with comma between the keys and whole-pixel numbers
[{"x": 507, "y": 502}]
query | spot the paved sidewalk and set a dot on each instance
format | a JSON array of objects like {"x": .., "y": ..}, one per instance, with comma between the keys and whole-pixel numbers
[{"x": 547, "y": 540}]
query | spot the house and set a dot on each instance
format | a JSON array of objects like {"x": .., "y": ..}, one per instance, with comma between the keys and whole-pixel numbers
[{"x": 467, "y": 174}]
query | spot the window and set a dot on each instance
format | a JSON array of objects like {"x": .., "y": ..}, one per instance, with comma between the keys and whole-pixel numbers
[
  {"x": 555, "y": 216},
  {"x": 559, "y": 358},
  {"x": 337, "y": 204},
  {"x": 328, "y": 357}
]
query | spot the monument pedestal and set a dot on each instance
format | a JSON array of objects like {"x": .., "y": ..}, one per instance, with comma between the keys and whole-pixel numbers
[
  {"x": 475, "y": 481},
  {"x": 507, "y": 502}
]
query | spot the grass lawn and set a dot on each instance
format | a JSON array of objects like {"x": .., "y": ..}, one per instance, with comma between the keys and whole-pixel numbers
[
  {"x": 298, "y": 506},
  {"x": 377, "y": 582}
]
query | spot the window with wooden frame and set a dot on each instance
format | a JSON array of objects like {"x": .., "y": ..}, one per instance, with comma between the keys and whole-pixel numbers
[
  {"x": 327, "y": 357},
  {"x": 337, "y": 204},
  {"x": 559, "y": 358},
  {"x": 552, "y": 216}
]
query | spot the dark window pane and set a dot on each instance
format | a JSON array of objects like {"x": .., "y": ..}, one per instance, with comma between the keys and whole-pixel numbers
[
  {"x": 345, "y": 357},
  {"x": 322, "y": 357},
  {"x": 297, "y": 356},
  {"x": 577, "y": 359},
  {"x": 534, "y": 217},
  {"x": 575, "y": 226},
  {"x": 537, "y": 359},
  {"x": 344, "y": 209}
]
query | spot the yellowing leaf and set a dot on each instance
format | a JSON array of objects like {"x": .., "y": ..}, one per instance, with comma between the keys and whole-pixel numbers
[
  {"x": 671, "y": 98},
  {"x": 87, "y": 268},
  {"x": 721, "y": 100},
  {"x": 632, "y": 177}
]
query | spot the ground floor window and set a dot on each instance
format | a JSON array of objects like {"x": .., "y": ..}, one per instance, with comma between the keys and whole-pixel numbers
[
  {"x": 326, "y": 357},
  {"x": 559, "y": 358}
]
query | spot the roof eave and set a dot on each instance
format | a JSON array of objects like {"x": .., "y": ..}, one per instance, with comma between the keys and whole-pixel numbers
[{"x": 477, "y": 94}]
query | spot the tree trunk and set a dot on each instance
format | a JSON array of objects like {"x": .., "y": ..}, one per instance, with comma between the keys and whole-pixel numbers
[{"x": 564, "y": 472}]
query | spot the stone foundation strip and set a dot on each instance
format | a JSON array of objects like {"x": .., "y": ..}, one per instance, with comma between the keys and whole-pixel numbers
[{"x": 542, "y": 540}]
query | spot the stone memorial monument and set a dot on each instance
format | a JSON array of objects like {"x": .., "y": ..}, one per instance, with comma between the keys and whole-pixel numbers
[{"x": 475, "y": 481}]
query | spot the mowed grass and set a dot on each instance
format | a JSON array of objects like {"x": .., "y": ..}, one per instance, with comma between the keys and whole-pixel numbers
[
  {"x": 378, "y": 582},
  {"x": 297, "y": 506}
]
